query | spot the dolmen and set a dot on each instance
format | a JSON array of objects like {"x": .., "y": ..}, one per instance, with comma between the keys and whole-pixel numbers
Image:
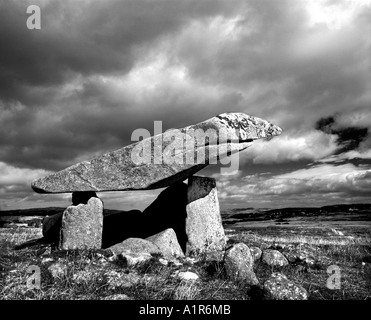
[{"x": 185, "y": 215}]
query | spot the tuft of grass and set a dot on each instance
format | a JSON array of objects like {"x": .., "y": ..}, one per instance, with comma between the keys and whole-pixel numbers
[{"x": 187, "y": 290}]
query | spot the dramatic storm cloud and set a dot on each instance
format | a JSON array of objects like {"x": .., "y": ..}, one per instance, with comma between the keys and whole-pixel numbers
[{"x": 97, "y": 70}]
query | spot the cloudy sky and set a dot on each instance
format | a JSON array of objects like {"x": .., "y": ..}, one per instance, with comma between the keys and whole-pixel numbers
[{"x": 97, "y": 70}]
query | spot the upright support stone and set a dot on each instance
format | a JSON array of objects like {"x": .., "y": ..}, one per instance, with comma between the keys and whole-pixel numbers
[
  {"x": 203, "y": 223},
  {"x": 82, "y": 226}
]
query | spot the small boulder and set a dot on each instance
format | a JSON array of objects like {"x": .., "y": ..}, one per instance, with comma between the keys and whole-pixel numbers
[
  {"x": 164, "y": 262},
  {"x": 136, "y": 246},
  {"x": 274, "y": 258},
  {"x": 187, "y": 275},
  {"x": 278, "y": 287},
  {"x": 133, "y": 259},
  {"x": 301, "y": 256},
  {"x": 168, "y": 243},
  {"x": 256, "y": 253},
  {"x": 46, "y": 260},
  {"x": 58, "y": 270},
  {"x": 239, "y": 263}
]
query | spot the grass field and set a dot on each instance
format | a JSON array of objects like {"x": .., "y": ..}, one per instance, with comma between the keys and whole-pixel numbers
[{"x": 91, "y": 274}]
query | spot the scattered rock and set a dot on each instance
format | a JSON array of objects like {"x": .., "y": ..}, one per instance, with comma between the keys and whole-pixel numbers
[
  {"x": 190, "y": 260},
  {"x": 256, "y": 253},
  {"x": 274, "y": 258},
  {"x": 168, "y": 244},
  {"x": 136, "y": 246},
  {"x": 118, "y": 296},
  {"x": 46, "y": 260},
  {"x": 58, "y": 270},
  {"x": 123, "y": 169},
  {"x": 239, "y": 263},
  {"x": 102, "y": 261},
  {"x": 300, "y": 256},
  {"x": 163, "y": 262},
  {"x": 82, "y": 226},
  {"x": 187, "y": 275},
  {"x": 133, "y": 259},
  {"x": 203, "y": 224},
  {"x": 121, "y": 280},
  {"x": 278, "y": 287}
]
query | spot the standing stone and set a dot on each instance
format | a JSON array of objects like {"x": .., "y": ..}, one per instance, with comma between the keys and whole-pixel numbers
[
  {"x": 82, "y": 226},
  {"x": 203, "y": 223},
  {"x": 168, "y": 243},
  {"x": 51, "y": 225},
  {"x": 239, "y": 263}
]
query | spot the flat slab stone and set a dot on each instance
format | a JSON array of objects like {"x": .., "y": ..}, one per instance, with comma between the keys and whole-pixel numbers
[
  {"x": 136, "y": 246},
  {"x": 167, "y": 242},
  {"x": 204, "y": 227},
  {"x": 168, "y": 161},
  {"x": 82, "y": 226}
]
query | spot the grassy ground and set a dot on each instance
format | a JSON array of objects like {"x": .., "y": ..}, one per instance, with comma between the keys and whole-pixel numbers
[{"x": 92, "y": 274}]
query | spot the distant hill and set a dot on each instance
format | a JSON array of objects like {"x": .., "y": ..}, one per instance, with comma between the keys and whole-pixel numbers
[
  {"x": 42, "y": 212},
  {"x": 363, "y": 209},
  {"x": 34, "y": 216}
]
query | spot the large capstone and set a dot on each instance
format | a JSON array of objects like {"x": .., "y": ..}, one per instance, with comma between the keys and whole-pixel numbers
[{"x": 161, "y": 160}]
